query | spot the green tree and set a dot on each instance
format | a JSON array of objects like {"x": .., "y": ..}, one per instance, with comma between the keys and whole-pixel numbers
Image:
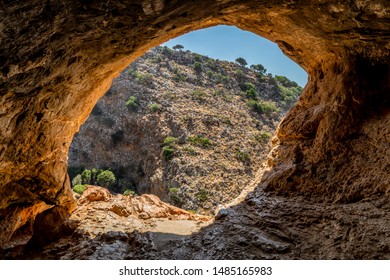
[
  {"x": 178, "y": 47},
  {"x": 86, "y": 176},
  {"x": 258, "y": 68},
  {"x": 241, "y": 61},
  {"x": 106, "y": 178}
]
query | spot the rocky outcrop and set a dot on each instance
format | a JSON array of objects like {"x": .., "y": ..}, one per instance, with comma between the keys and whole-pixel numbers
[
  {"x": 146, "y": 206},
  {"x": 59, "y": 57}
]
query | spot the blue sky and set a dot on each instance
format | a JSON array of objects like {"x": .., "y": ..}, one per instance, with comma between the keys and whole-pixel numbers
[{"x": 228, "y": 43}]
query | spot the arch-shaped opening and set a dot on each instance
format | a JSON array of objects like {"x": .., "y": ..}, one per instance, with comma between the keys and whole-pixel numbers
[
  {"x": 192, "y": 128},
  {"x": 72, "y": 51}
]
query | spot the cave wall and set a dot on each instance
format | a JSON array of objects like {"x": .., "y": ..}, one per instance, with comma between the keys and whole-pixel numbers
[{"x": 58, "y": 57}]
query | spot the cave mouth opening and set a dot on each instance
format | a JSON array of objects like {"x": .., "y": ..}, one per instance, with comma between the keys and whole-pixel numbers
[{"x": 191, "y": 127}]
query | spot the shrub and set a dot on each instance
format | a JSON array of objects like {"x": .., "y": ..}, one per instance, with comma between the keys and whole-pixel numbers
[
  {"x": 190, "y": 150},
  {"x": 132, "y": 102},
  {"x": 129, "y": 192},
  {"x": 202, "y": 195},
  {"x": 199, "y": 141},
  {"x": 268, "y": 107},
  {"x": 174, "y": 197},
  {"x": 180, "y": 78},
  {"x": 285, "y": 81},
  {"x": 167, "y": 51},
  {"x": 144, "y": 79},
  {"x": 212, "y": 64},
  {"x": 86, "y": 176},
  {"x": 94, "y": 173},
  {"x": 265, "y": 107},
  {"x": 169, "y": 141},
  {"x": 106, "y": 178},
  {"x": 79, "y": 188},
  {"x": 198, "y": 94},
  {"x": 198, "y": 67},
  {"x": 77, "y": 180},
  {"x": 167, "y": 152},
  {"x": 242, "y": 156},
  {"x": 262, "y": 136},
  {"x": 198, "y": 57},
  {"x": 241, "y": 61},
  {"x": 154, "y": 107},
  {"x": 239, "y": 74},
  {"x": 290, "y": 94},
  {"x": 251, "y": 93},
  {"x": 221, "y": 78}
]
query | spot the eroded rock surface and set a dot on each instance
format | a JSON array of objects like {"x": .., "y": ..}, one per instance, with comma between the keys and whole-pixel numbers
[{"x": 58, "y": 57}]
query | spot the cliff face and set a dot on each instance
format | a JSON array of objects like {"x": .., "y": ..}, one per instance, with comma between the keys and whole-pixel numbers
[
  {"x": 59, "y": 57},
  {"x": 220, "y": 138}
]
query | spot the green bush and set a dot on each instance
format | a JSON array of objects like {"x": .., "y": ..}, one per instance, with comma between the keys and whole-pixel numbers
[
  {"x": 144, "y": 79},
  {"x": 262, "y": 136},
  {"x": 132, "y": 102},
  {"x": 251, "y": 93},
  {"x": 198, "y": 57},
  {"x": 285, "y": 81},
  {"x": 167, "y": 152},
  {"x": 290, "y": 94},
  {"x": 221, "y": 78},
  {"x": 79, "y": 188},
  {"x": 198, "y": 67},
  {"x": 264, "y": 107},
  {"x": 199, "y": 141},
  {"x": 129, "y": 192},
  {"x": 190, "y": 150},
  {"x": 242, "y": 156},
  {"x": 167, "y": 51},
  {"x": 86, "y": 176},
  {"x": 154, "y": 107},
  {"x": 202, "y": 195},
  {"x": 77, "y": 180},
  {"x": 106, "y": 178},
  {"x": 180, "y": 78},
  {"x": 198, "y": 94},
  {"x": 174, "y": 197},
  {"x": 169, "y": 141}
]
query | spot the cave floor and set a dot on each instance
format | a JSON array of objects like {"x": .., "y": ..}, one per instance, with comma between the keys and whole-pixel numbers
[{"x": 261, "y": 226}]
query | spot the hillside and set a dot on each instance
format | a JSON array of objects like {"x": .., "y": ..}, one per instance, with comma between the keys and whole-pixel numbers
[{"x": 187, "y": 128}]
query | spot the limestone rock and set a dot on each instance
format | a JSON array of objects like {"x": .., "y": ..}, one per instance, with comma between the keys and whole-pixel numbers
[{"x": 59, "y": 57}]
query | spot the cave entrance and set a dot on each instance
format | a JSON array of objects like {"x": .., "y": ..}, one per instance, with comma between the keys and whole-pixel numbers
[{"x": 189, "y": 121}]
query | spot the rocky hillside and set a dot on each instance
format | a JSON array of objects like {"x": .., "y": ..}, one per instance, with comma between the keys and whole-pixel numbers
[{"x": 187, "y": 128}]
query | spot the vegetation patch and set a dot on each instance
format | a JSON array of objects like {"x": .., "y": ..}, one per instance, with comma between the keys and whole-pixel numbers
[
  {"x": 199, "y": 141},
  {"x": 80, "y": 189}
]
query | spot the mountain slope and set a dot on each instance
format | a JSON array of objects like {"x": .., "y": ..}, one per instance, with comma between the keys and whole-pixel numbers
[{"x": 187, "y": 128}]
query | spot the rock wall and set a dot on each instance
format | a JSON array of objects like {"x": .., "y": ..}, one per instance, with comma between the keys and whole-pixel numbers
[{"x": 58, "y": 57}]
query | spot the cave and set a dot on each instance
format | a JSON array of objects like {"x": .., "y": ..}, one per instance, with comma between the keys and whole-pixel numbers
[{"x": 59, "y": 57}]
